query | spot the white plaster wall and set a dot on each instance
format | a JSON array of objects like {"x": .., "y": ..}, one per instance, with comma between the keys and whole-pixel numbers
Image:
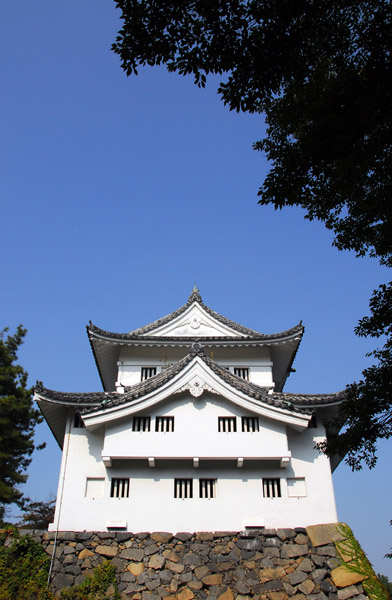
[
  {"x": 131, "y": 360},
  {"x": 196, "y": 433},
  {"x": 151, "y": 504}
]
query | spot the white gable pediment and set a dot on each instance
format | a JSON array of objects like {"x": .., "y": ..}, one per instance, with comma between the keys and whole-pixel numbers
[
  {"x": 196, "y": 378},
  {"x": 195, "y": 322}
]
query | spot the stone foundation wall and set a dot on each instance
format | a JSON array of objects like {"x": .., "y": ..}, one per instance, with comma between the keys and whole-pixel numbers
[{"x": 257, "y": 564}]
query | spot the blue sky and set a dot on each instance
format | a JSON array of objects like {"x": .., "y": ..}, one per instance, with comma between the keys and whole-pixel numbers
[{"x": 118, "y": 193}]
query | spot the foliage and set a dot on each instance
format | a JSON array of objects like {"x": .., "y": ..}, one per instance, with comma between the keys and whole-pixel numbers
[
  {"x": 322, "y": 74},
  {"x": 18, "y": 418},
  {"x": 24, "y": 567},
  {"x": 37, "y": 515},
  {"x": 386, "y": 583},
  {"x": 358, "y": 563},
  {"x": 101, "y": 586}
]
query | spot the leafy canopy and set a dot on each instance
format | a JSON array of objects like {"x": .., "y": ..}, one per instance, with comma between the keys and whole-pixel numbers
[
  {"x": 18, "y": 418},
  {"x": 321, "y": 71}
]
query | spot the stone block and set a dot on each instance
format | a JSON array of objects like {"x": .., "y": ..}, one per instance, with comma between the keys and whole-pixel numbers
[
  {"x": 195, "y": 585},
  {"x": 136, "y": 554},
  {"x": 293, "y": 550},
  {"x": 201, "y": 572},
  {"x": 268, "y": 574},
  {"x": 69, "y": 559},
  {"x": 215, "y": 579},
  {"x": 161, "y": 537},
  {"x": 152, "y": 584},
  {"x": 343, "y": 577},
  {"x": 227, "y": 595},
  {"x": 285, "y": 534},
  {"x": 272, "y": 586},
  {"x": 66, "y": 536},
  {"x": 150, "y": 549},
  {"x": 183, "y": 536},
  {"x": 150, "y": 596},
  {"x": 185, "y": 594},
  {"x": 301, "y": 539},
  {"x": 290, "y": 589},
  {"x": 328, "y": 550},
  {"x": 250, "y": 544},
  {"x": 318, "y": 575},
  {"x": 277, "y": 595},
  {"x": 272, "y": 542},
  {"x": 320, "y": 535},
  {"x": 306, "y": 565},
  {"x": 327, "y": 586},
  {"x": 241, "y": 587},
  {"x": 175, "y": 567},
  {"x": 62, "y": 580},
  {"x": 297, "y": 577},
  {"x": 171, "y": 555},
  {"x": 192, "y": 559},
  {"x": 123, "y": 536},
  {"x": 85, "y": 553},
  {"x": 107, "y": 551},
  {"x": 156, "y": 561},
  {"x": 136, "y": 568},
  {"x": 165, "y": 576},
  {"x": 204, "y": 536},
  {"x": 347, "y": 592},
  {"x": 269, "y": 532},
  {"x": 306, "y": 587}
]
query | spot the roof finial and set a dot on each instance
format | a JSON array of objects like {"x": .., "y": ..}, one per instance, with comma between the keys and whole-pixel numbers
[{"x": 195, "y": 294}]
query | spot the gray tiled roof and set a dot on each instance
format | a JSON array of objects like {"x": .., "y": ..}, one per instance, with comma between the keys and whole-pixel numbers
[
  {"x": 141, "y": 332},
  {"x": 298, "y": 403}
]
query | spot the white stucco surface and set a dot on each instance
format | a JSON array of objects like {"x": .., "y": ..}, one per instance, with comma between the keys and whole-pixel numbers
[{"x": 151, "y": 504}]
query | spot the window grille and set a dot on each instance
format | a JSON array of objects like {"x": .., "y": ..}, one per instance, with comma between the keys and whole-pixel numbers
[
  {"x": 183, "y": 488},
  {"x": 241, "y": 372},
  {"x": 207, "y": 488},
  {"x": 271, "y": 488},
  {"x": 165, "y": 424},
  {"x": 78, "y": 423},
  {"x": 227, "y": 424},
  {"x": 250, "y": 424},
  {"x": 148, "y": 372},
  {"x": 141, "y": 423},
  {"x": 119, "y": 487}
]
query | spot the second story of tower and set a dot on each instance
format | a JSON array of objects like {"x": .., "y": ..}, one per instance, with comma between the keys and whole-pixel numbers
[{"x": 126, "y": 359}]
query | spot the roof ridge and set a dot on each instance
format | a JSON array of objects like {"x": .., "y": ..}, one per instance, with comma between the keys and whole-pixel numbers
[{"x": 195, "y": 297}]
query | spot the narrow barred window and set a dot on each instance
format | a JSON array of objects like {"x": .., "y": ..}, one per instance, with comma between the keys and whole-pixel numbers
[
  {"x": 250, "y": 424},
  {"x": 227, "y": 424},
  {"x": 207, "y": 488},
  {"x": 78, "y": 423},
  {"x": 241, "y": 372},
  {"x": 141, "y": 423},
  {"x": 271, "y": 488},
  {"x": 119, "y": 487},
  {"x": 148, "y": 372},
  {"x": 165, "y": 424},
  {"x": 183, "y": 488}
]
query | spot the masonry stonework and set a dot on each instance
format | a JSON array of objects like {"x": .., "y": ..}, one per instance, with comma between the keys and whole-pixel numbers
[{"x": 259, "y": 564}]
